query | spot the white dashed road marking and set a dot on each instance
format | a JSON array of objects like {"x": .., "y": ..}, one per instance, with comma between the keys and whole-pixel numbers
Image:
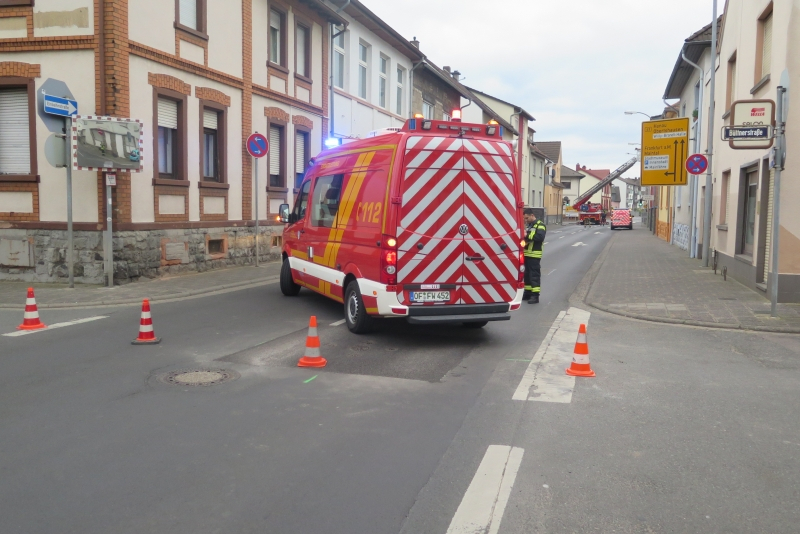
[
  {"x": 57, "y": 325},
  {"x": 337, "y": 323},
  {"x": 545, "y": 378},
  {"x": 579, "y": 244},
  {"x": 481, "y": 510}
]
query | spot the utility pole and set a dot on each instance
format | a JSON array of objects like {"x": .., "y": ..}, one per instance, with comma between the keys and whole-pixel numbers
[{"x": 710, "y": 151}]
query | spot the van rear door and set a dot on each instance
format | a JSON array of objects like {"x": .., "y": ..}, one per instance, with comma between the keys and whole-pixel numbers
[{"x": 491, "y": 245}]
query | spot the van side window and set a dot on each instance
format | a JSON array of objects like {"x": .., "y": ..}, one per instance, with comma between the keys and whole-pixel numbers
[
  {"x": 325, "y": 200},
  {"x": 301, "y": 202}
]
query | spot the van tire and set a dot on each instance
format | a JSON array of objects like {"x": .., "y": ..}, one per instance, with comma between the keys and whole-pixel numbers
[
  {"x": 476, "y": 324},
  {"x": 288, "y": 287},
  {"x": 355, "y": 314}
]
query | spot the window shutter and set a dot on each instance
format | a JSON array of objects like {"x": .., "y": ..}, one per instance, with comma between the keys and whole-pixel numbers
[
  {"x": 168, "y": 114},
  {"x": 188, "y": 13},
  {"x": 766, "y": 54},
  {"x": 210, "y": 119},
  {"x": 274, "y": 150},
  {"x": 15, "y": 147},
  {"x": 299, "y": 152}
]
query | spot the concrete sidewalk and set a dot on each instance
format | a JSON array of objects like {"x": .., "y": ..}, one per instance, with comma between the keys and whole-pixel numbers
[
  {"x": 644, "y": 277},
  {"x": 12, "y": 294}
]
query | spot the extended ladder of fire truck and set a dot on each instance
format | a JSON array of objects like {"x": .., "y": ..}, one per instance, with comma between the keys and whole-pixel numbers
[{"x": 581, "y": 200}]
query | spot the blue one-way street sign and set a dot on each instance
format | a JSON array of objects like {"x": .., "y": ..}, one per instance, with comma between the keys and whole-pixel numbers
[{"x": 60, "y": 106}]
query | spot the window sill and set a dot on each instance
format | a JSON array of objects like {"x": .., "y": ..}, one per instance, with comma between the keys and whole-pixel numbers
[
  {"x": 760, "y": 84},
  {"x": 169, "y": 182},
  {"x": 194, "y": 33},
  {"x": 213, "y": 185},
  {"x": 726, "y": 114},
  {"x": 279, "y": 68},
  {"x": 744, "y": 258},
  {"x": 277, "y": 189},
  {"x": 302, "y": 78},
  {"x": 723, "y": 227},
  {"x": 16, "y": 3},
  {"x": 34, "y": 178}
]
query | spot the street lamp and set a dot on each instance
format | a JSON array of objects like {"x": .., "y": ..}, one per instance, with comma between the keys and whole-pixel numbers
[{"x": 639, "y": 112}]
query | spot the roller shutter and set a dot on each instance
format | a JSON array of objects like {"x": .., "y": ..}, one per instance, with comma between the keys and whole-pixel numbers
[
  {"x": 167, "y": 114},
  {"x": 15, "y": 147},
  {"x": 210, "y": 119},
  {"x": 274, "y": 150}
]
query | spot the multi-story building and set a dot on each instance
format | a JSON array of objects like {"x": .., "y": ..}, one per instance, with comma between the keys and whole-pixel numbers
[
  {"x": 200, "y": 76},
  {"x": 553, "y": 189},
  {"x": 759, "y": 50}
]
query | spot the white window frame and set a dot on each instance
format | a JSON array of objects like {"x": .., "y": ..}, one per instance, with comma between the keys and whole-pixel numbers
[
  {"x": 339, "y": 52},
  {"x": 427, "y": 113},
  {"x": 383, "y": 81},
  {"x": 363, "y": 70},
  {"x": 400, "y": 90}
]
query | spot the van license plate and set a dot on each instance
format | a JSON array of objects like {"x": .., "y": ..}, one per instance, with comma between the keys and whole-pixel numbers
[{"x": 430, "y": 296}]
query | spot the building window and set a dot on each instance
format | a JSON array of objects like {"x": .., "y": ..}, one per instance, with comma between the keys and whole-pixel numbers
[
  {"x": 764, "y": 46},
  {"x": 300, "y": 156},
  {"x": 748, "y": 219},
  {"x": 277, "y": 37},
  {"x": 325, "y": 200},
  {"x": 427, "y": 110},
  {"x": 190, "y": 14},
  {"x": 212, "y": 142},
  {"x": 363, "y": 70},
  {"x": 567, "y": 185},
  {"x": 302, "y": 51},
  {"x": 17, "y": 131},
  {"x": 730, "y": 97},
  {"x": 446, "y": 116},
  {"x": 169, "y": 119},
  {"x": 400, "y": 81},
  {"x": 338, "y": 60},
  {"x": 276, "y": 145},
  {"x": 382, "y": 83},
  {"x": 724, "y": 194}
]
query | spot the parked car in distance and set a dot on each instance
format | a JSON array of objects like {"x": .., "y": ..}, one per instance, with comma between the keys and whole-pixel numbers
[{"x": 621, "y": 218}]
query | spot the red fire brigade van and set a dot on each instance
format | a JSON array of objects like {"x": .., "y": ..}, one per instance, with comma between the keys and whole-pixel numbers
[{"x": 424, "y": 223}]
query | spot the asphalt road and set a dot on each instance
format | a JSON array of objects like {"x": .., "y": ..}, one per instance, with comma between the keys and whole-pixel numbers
[{"x": 388, "y": 437}]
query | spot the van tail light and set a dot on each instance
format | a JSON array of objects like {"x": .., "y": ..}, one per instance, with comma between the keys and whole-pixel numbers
[
  {"x": 521, "y": 267},
  {"x": 388, "y": 260}
]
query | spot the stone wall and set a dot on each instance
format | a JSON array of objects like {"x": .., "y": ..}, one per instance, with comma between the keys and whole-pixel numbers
[
  {"x": 430, "y": 88},
  {"x": 680, "y": 236},
  {"x": 41, "y": 255}
]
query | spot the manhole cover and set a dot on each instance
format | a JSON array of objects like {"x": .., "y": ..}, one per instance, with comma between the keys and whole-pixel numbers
[{"x": 199, "y": 377}]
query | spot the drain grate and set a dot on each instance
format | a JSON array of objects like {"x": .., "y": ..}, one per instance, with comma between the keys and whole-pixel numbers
[{"x": 199, "y": 377}]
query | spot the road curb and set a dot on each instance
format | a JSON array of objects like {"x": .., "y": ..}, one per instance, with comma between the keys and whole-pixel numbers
[{"x": 138, "y": 300}]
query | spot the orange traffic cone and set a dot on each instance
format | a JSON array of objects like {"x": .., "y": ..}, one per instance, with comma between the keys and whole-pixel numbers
[
  {"x": 30, "y": 320},
  {"x": 580, "y": 360},
  {"x": 146, "y": 333},
  {"x": 312, "y": 357}
]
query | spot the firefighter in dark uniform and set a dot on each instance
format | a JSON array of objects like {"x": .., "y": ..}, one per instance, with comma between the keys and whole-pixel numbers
[{"x": 534, "y": 242}]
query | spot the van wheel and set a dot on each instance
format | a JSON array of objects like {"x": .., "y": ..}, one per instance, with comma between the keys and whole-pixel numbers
[
  {"x": 288, "y": 287},
  {"x": 476, "y": 324},
  {"x": 355, "y": 314}
]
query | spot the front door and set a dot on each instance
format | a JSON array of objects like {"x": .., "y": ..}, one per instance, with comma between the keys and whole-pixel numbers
[{"x": 749, "y": 213}]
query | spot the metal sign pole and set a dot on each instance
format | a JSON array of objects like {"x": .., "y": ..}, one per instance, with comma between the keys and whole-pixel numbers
[
  {"x": 710, "y": 152},
  {"x": 70, "y": 248},
  {"x": 776, "y": 202},
  {"x": 255, "y": 163},
  {"x": 109, "y": 245}
]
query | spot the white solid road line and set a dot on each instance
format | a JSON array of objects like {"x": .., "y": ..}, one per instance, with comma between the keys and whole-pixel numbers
[
  {"x": 57, "y": 325},
  {"x": 481, "y": 510},
  {"x": 337, "y": 323},
  {"x": 579, "y": 244},
  {"x": 545, "y": 378},
  {"x": 598, "y": 232}
]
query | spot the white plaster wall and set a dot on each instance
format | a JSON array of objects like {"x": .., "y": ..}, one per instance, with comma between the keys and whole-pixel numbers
[
  {"x": 192, "y": 52},
  {"x": 142, "y": 208},
  {"x": 260, "y": 41},
  {"x": 151, "y": 22},
  {"x": 13, "y": 28},
  {"x": 317, "y": 60},
  {"x": 224, "y": 24},
  {"x": 76, "y": 69},
  {"x": 46, "y": 6}
]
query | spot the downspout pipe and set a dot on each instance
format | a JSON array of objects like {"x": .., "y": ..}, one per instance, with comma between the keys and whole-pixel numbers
[
  {"x": 411, "y": 88},
  {"x": 698, "y": 136},
  {"x": 710, "y": 151}
]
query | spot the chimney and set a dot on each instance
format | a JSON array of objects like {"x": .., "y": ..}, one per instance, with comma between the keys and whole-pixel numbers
[
  {"x": 415, "y": 42},
  {"x": 577, "y": 166},
  {"x": 456, "y": 75},
  {"x": 446, "y": 69}
]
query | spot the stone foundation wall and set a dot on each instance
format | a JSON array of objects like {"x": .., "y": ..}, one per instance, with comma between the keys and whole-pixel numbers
[
  {"x": 41, "y": 255},
  {"x": 680, "y": 236}
]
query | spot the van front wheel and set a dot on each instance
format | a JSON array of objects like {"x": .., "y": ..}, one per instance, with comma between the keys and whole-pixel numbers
[
  {"x": 288, "y": 287},
  {"x": 355, "y": 314}
]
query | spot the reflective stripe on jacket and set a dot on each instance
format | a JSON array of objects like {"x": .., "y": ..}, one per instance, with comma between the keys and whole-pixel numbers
[{"x": 534, "y": 241}]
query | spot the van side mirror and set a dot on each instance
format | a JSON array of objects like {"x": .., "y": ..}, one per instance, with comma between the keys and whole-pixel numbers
[{"x": 283, "y": 210}]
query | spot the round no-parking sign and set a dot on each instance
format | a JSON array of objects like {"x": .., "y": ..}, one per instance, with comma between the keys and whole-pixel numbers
[
  {"x": 257, "y": 145},
  {"x": 697, "y": 164}
]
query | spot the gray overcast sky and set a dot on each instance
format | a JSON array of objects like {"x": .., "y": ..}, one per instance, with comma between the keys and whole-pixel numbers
[{"x": 575, "y": 65}]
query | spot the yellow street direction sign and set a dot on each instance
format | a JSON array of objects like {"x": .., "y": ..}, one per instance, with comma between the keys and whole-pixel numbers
[{"x": 665, "y": 147}]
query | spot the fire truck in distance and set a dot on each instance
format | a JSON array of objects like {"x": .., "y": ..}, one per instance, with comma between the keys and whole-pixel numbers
[
  {"x": 424, "y": 223},
  {"x": 592, "y": 212}
]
